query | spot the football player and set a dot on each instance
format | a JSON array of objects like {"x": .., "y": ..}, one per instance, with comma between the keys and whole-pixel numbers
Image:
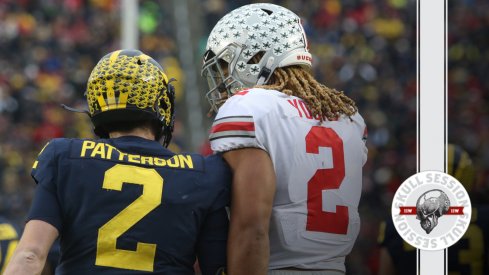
[
  {"x": 296, "y": 147},
  {"x": 469, "y": 256},
  {"x": 9, "y": 237},
  {"x": 124, "y": 204}
]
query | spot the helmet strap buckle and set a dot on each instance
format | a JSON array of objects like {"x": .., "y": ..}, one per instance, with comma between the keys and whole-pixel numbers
[{"x": 265, "y": 72}]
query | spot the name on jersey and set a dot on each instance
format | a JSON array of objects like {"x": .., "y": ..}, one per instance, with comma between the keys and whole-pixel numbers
[
  {"x": 91, "y": 149},
  {"x": 302, "y": 109}
]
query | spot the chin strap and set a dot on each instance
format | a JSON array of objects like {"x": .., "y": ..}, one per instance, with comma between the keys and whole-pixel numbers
[
  {"x": 75, "y": 110},
  {"x": 96, "y": 130},
  {"x": 265, "y": 72}
]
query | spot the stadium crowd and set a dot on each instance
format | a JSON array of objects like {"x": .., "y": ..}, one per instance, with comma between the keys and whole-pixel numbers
[{"x": 365, "y": 48}]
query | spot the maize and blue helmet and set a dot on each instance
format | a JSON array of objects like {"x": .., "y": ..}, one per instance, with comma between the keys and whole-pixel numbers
[{"x": 128, "y": 85}]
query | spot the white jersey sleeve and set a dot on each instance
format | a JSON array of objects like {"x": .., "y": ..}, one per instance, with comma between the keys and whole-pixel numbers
[
  {"x": 235, "y": 125},
  {"x": 318, "y": 167}
]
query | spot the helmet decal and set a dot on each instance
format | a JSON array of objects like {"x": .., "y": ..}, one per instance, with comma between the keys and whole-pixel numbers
[{"x": 248, "y": 44}]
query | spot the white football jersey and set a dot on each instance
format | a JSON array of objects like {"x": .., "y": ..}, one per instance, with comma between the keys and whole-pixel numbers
[{"x": 318, "y": 169}]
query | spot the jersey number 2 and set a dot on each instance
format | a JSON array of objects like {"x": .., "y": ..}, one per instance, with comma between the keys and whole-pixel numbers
[
  {"x": 325, "y": 179},
  {"x": 107, "y": 254}
]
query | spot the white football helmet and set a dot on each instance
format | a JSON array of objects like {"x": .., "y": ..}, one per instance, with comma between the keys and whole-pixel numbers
[{"x": 248, "y": 44}]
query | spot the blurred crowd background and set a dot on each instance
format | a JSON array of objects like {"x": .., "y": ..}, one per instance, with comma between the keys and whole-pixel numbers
[{"x": 366, "y": 48}]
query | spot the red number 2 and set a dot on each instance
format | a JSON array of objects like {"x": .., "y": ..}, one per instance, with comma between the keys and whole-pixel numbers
[{"x": 324, "y": 179}]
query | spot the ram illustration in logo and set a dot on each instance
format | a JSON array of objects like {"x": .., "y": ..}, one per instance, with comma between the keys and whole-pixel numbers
[{"x": 430, "y": 206}]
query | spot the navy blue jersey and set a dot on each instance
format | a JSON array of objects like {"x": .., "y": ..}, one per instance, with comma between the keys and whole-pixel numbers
[
  {"x": 9, "y": 237},
  {"x": 468, "y": 256},
  {"x": 52, "y": 260},
  {"x": 129, "y": 206}
]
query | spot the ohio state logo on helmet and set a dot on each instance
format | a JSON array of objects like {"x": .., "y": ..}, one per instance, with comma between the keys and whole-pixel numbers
[{"x": 431, "y": 210}]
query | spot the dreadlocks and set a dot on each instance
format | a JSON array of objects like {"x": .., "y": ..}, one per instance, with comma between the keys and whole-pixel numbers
[{"x": 323, "y": 102}]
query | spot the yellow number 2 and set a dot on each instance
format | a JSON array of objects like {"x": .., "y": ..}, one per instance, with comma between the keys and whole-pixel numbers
[{"x": 107, "y": 254}]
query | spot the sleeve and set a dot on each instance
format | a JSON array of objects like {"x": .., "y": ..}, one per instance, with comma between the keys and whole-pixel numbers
[
  {"x": 212, "y": 241},
  {"x": 235, "y": 125},
  {"x": 45, "y": 204},
  {"x": 222, "y": 178},
  {"x": 211, "y": 246},
  {"x": 54, "y": 256}
]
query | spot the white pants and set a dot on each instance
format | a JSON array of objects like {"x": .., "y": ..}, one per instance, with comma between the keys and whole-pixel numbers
[{"x": 305, "y": 272}]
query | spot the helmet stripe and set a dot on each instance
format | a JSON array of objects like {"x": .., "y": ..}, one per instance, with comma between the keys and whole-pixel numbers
[
  {"x": 101, "y": 102},
  {"x": 112, "y": 104},
  {"x": 122, "y": 100},
  {"x": 123, "y": 96}
]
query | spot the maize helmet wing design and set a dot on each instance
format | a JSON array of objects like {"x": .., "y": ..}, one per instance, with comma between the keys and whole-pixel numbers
[
  {"x": 127, "y": 85},
  {"x": 248, "y": 44}
]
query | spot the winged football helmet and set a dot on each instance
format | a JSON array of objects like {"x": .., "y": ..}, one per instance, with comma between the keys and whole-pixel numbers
[{"x": 128, "y": 85}]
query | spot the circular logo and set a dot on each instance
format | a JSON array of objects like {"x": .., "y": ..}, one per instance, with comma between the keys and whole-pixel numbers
[{"x": 431, "y": 210}]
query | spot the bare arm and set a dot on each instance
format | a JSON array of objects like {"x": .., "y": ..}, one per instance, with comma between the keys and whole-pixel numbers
[
  {"x": 253, "y": 190},
  {"x": 31, "y": 252}
]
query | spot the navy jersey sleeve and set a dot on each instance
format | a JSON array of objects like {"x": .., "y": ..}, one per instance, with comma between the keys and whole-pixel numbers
[
  {"x": 53, "y": 256},
  {"x": 211, "y": 246},
  {"x": 45, "y": 204},
  {"x": 219, "y": 173}
]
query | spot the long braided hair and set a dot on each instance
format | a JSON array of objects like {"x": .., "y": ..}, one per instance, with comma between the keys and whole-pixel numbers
[{"x": 323, "y": 102}]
